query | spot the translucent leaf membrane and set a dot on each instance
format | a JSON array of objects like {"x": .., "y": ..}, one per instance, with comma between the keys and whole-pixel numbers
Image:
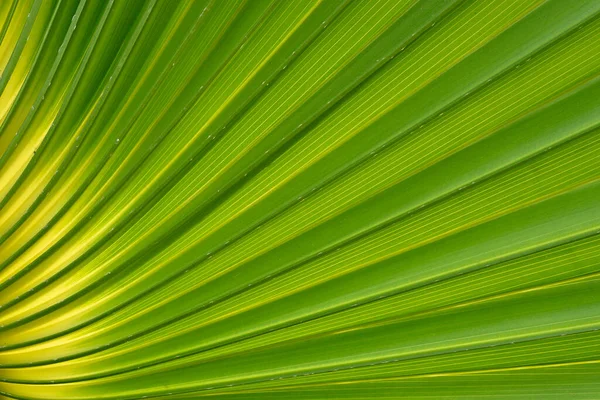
[{"x": 299, "y": 200}]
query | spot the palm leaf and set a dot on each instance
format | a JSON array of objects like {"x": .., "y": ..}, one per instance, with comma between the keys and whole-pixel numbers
[{"x": 305, "y": 199}]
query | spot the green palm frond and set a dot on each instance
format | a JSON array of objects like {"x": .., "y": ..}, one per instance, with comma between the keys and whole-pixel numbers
[{"x": 307, "y": 199}]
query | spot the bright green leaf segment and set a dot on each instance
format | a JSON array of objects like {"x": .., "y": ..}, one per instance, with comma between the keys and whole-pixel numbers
[{"x": 299, "y": 199}]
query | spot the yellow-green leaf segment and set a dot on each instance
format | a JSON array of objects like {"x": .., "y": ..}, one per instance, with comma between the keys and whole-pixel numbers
[{"x": 299, "y": 199}]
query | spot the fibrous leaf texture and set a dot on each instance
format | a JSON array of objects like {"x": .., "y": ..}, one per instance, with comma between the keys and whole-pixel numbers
[{"x": 299, "y": 199}]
